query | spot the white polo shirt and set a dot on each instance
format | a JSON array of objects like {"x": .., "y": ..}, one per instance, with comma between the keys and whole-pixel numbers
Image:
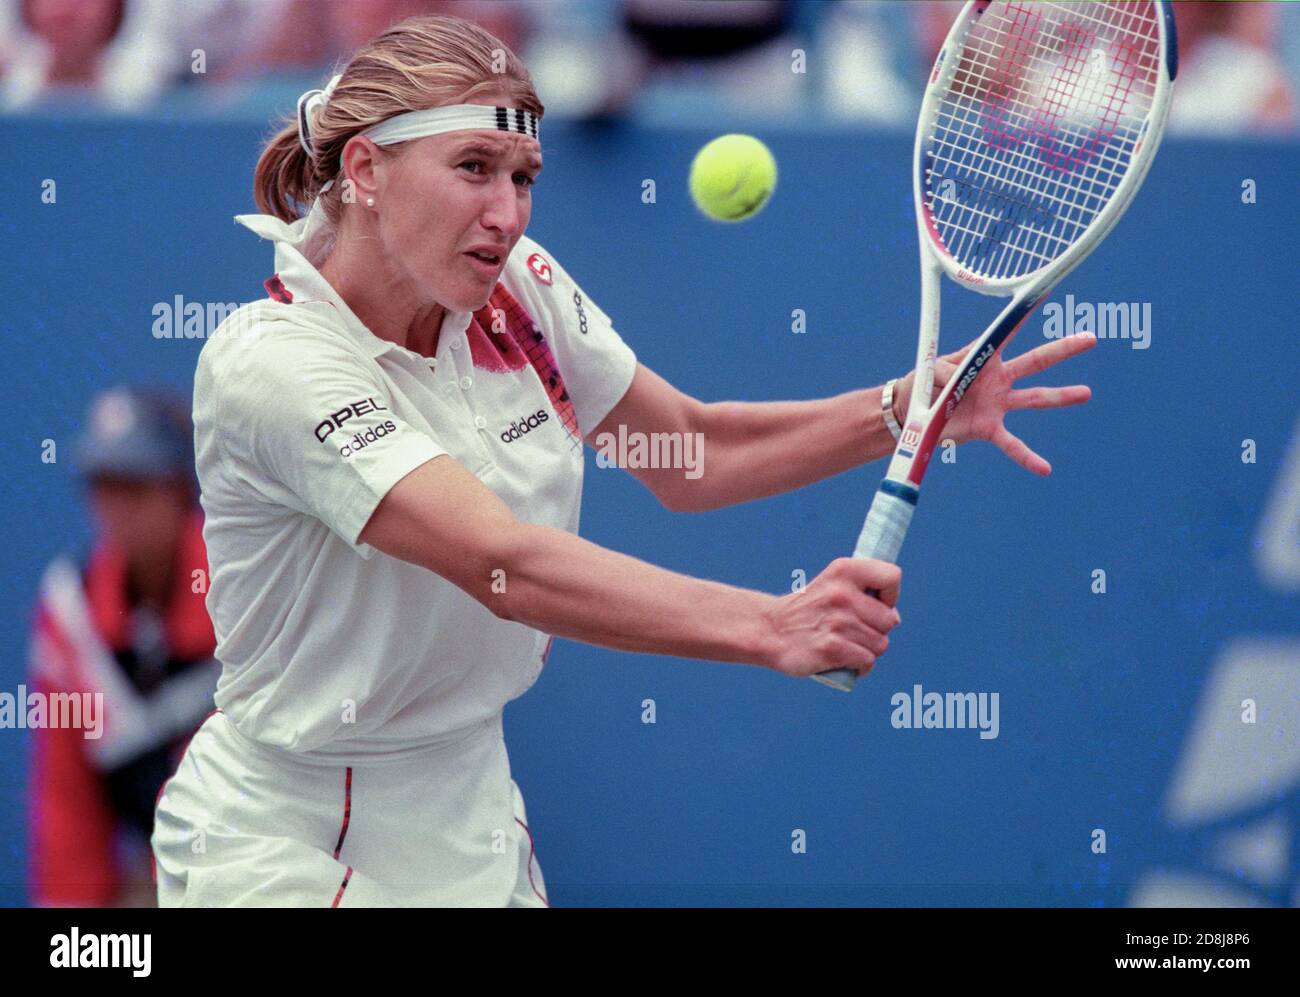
[{"x": 304, "y": 420}]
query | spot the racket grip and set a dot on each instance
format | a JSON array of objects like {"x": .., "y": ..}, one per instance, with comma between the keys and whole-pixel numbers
[{"x": 881, "y": 539}]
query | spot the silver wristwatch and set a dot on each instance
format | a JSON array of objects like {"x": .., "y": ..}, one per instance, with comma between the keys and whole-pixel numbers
[{"x": 887, "y": 408}]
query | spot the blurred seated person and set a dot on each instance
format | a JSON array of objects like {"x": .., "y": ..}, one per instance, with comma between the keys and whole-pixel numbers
[
  {"x": 1231, "y": 79},
  {"x": 128, "y": 622},
  {"x": 595, "y": 58},
  {"x": 56, "y": 47}
]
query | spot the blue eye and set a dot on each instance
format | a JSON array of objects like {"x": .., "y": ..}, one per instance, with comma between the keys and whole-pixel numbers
[{"x": 473, "y": 162}]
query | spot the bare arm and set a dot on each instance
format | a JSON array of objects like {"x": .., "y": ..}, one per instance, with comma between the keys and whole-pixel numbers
[
  {"x": 443, "y": 518},
  {"x": 750, "y": 449}
]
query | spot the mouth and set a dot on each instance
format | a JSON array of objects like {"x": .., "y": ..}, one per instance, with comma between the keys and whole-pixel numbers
[{"x": 487, "y": 264}]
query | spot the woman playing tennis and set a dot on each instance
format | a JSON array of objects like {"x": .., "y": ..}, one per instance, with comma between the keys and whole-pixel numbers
[{"x": 389, "y": 449}]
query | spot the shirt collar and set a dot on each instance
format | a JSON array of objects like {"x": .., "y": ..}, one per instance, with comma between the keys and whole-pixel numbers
[{"x": 300, "y": 247}]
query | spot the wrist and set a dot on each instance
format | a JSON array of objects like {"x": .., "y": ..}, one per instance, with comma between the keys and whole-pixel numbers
[
  {"x": 763, "y": 646},
  {"x": 903, "y": 396}
]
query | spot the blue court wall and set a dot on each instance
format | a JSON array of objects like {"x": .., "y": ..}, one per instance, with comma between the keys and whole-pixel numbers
[{"x": 1104, "y": 698}]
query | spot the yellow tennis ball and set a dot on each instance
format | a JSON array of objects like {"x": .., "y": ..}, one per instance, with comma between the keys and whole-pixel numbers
[{"x": 732, "y": 177}]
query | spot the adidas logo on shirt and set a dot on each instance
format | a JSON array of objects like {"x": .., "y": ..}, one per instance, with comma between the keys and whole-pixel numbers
[{"x": 524, "y": 425}]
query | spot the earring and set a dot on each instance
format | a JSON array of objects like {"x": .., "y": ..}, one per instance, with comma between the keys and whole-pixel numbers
[{"x": 370, "y": 202}]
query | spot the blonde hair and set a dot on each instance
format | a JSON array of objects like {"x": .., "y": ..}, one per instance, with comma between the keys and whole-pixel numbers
[{"x": 421, "y": 62}]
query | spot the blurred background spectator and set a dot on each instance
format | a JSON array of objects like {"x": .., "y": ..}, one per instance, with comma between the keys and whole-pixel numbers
[
  {"x": 129, "y": 623},
  {"x": 1232, "y": 79},
  {"x": 55, "y": 46},
  {"x": 597, "y": 58},
  {"x": 855, "y": 60}
]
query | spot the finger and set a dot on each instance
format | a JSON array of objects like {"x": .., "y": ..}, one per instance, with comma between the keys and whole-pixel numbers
[
  {"x": 867, "y": 636},
  {"x": 888, "y": 594},
  {"x": 869, "y": 575},
  {"x": 955, "y": 357},
  {"x": 1049, "y": 354},
  {"x": 1023, "y": 398},
  {"x": 846, "y": 653},
  {"x": 861, "y": 661},
  {"x": 874, "y": 614},
  {"x": 1016, "y": 448}
]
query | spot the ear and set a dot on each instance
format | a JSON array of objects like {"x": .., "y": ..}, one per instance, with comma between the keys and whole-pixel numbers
[{"x": 362, "y": 164}]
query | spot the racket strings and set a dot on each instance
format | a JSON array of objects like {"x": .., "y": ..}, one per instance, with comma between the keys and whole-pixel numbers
[
  {"x": 1037, "y": 129},
  {"x": 1004, "y": 67}
]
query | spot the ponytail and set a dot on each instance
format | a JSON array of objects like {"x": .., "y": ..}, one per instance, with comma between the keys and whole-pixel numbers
[{"x": 284, "y": 182}]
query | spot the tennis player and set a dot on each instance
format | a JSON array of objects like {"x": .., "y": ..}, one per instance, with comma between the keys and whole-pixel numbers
[{"x": 389, "y": 449}]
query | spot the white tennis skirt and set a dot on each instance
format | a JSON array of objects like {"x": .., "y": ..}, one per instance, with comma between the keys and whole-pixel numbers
[{"x": 242, "y": 824}]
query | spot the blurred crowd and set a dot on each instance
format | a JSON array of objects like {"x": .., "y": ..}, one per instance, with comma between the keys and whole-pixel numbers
[{"x": 862, "y": 60}]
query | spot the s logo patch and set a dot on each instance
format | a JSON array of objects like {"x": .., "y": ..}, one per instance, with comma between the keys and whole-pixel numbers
[{"x": 540, "y": 267}]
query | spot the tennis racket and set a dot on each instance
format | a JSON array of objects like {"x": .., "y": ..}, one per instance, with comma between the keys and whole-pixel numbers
[{"x": 1038, "y": 126}]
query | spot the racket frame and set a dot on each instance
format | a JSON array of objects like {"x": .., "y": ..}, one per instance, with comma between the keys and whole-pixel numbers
[{"x": 891, "y": 509}]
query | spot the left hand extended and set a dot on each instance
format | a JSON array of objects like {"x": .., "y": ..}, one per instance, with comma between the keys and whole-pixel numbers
[{"x": 991, "y": 397}]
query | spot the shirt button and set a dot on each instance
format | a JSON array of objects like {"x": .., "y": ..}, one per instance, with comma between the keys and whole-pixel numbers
[
  {"x": 465, "y": 382},
  {"x": 480, "y": 422},
  {"x": 455, "y": 344}
]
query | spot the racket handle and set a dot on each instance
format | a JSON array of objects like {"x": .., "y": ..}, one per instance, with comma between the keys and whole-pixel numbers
[{"x": 881, "y": 539}]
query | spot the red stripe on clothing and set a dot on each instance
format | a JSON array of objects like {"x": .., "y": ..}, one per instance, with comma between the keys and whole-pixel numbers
[
  {"x": 347, "y": 813},
  {"x": 531, "y": 852},
  {"x": 517, "y": 340},
  {"x": 342, "y": 886}
]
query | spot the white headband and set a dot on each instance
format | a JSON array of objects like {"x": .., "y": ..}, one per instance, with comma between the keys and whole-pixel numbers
[{"x": 420, "y": 124}]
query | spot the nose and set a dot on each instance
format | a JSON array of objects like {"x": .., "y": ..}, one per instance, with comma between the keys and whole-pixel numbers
[{"x": 505, "y": 209}]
